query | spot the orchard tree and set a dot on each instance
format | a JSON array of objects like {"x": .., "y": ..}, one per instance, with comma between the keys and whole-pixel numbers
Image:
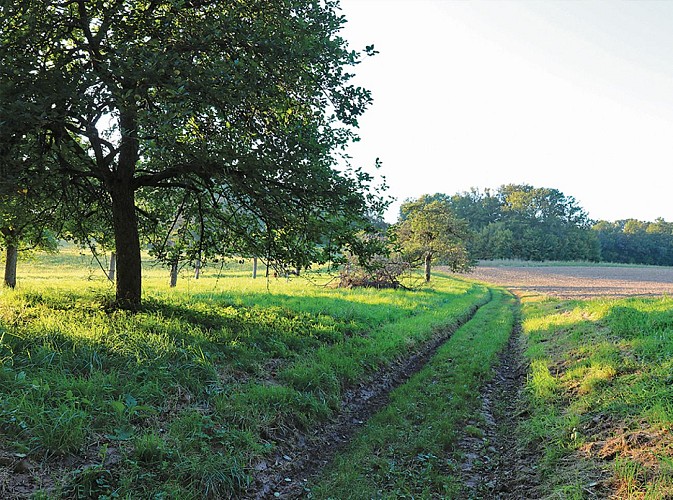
[
  {"x": 244, "y": 106},
  {"x": 428, "y": 230},
  {"x": 31, "y": 200}
]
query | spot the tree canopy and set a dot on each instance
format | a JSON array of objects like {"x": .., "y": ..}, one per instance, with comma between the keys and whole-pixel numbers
[
  {"x": 632, "y": 241},
  {"x": 428, "y": 230},
  {"x": 233, "y": 114},
  {"x": 525, "y": 222}
]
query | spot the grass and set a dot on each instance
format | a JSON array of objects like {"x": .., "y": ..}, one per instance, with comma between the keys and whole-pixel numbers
[
  {"x": 407, "y": 450},
  {"x": 180, "y": 399},
  {"x": 600, "y": 394}
]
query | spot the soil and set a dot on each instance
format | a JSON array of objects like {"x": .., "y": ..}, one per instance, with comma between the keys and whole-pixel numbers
[
  {"x": 580, "y": 282},
  {"x": 303, "y": 455},
  {"x": 495, "y": 466}
]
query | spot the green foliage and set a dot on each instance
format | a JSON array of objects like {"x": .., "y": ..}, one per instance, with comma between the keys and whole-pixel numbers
[
  {"x": 635, "y": 242},
  {"x": 228, "y": 117},
  {"x": 524, "y": 222},
  {"x": 428, "y": 230}
]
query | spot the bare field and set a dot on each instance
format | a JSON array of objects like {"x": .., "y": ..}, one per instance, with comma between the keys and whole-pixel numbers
[{"x": 580, "y": 282}]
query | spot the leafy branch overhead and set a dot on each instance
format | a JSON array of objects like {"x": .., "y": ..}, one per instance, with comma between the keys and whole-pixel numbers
[{"x": 241, "y": 110}]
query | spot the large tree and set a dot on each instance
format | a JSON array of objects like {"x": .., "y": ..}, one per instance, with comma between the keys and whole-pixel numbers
[
  {"x": 242, "y": 105},
  {"x": 429, "y": 230}
]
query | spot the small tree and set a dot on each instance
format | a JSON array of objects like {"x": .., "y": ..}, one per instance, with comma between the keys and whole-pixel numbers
[
  {"x": 30, "y": 200},
  {"x": 428, "y": 230}
]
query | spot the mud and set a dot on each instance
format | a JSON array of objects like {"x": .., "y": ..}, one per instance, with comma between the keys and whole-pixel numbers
[{"x": 495, "y": 465}]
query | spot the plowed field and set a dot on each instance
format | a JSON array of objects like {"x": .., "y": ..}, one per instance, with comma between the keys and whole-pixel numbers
[{"x": 580, "y": 282}]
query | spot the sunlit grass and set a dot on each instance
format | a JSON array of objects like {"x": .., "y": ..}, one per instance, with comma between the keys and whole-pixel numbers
[
  {"x": 203, "y": 380},
  {"x": 407, "y": 450},
  {"x": 601, "y": 387}
]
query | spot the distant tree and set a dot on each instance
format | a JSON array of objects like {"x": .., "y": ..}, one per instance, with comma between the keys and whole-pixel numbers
[
  {"x": 243, "y": 105},
  {"x": 428, "y": 230},
  {"x": 525, "y": 222},
  {"x": 31, "y": 214},
  {"x": 636, "y": 242}
]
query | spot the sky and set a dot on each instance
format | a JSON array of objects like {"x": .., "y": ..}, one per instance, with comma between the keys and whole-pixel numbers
[{"x": 571, "y": 95}]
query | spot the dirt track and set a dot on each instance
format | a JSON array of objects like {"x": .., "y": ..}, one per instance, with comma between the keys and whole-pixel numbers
[{"x": 580, "y": 281}]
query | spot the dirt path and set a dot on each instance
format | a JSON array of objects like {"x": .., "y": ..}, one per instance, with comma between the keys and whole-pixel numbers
[
  {"x": 297, "y": 459},
  {"x": 495, "y": 466}
]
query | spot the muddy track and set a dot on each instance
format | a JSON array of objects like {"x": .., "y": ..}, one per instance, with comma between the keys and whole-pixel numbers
[
  {"x": 305, "y": 454},
  {"x": 495, "y": 465}
]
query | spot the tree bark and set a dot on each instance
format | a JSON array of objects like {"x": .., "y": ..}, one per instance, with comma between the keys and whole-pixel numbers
[
  {"x": 113, "y": 267},
  {"x": 428, "y": 260},
  {"x": 127, "y": 243},
  {"x": 11, "y": 254},
  {"x": 254, "y": 267},
  {"x": 174, "y": 273},
  {"x": 124, "y": 218},
  {"x": 197, "y": 269}
]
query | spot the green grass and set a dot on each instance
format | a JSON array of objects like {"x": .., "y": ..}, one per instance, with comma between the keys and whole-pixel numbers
[
  {"x": 601, "y": 393},
  {"x": 407, "y": 450},
  {"x": 178, "y": 400}
]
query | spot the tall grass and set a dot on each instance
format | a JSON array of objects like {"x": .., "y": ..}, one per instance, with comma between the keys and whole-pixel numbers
[
  {"x": 201, "y": 383},
  {"x": 600, "y": 392}
]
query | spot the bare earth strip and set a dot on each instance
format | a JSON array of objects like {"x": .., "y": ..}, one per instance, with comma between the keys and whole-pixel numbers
[{"x": 580, "y": 282}]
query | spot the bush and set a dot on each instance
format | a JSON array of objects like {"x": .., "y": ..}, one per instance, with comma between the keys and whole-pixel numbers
[{"x": 378, "y": 272}]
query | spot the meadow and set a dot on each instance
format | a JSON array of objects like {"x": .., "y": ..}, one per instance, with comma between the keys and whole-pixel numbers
[
  {"x": 182, "y": 398},
  {"x": 600, "y": 396},
  {"x": 207, "y": 388}
]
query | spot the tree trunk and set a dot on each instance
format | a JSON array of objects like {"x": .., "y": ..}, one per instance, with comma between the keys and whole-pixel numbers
[
  {"x": 113, "y": 267},
  {"x": 124, "y": 219},
  {"x": 428, "y": 260},
  {"x": 254, "y": 268},
  {"x": 197, "y": 269},
  {"x": 127, "y": 243},
  {"x": 11, "y": 255},
  {"x": 174, "y": 273}
]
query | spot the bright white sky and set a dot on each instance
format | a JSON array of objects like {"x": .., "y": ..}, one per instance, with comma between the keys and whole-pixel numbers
[{"x": 572, "y": 95}]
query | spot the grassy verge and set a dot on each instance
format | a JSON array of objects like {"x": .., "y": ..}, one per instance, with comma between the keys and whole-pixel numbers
[
  {"x": 407, "y": 449},
  {"x": 179, "y": 400},
  {"x": 601, "y": 396}
]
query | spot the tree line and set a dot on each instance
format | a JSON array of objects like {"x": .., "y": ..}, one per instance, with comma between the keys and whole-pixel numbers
[{"x": 519, "y": 221}]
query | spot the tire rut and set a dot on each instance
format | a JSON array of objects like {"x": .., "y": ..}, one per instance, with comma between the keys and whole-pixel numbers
[
  {"x": 305, "y": 454},
  {"x": 495, "y": 464}
]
